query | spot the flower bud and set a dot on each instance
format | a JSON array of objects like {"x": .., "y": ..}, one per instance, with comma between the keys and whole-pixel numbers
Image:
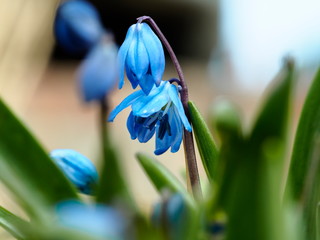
[
  {"x": 77, "y": 168},
  {"x": 98, "y": 73},
  {"x": 77, "y": 26},
  {"x": 141, "y": 56}
]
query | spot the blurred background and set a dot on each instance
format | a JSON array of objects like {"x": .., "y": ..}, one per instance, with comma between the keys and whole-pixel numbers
[{"x": 227, "y": 48}]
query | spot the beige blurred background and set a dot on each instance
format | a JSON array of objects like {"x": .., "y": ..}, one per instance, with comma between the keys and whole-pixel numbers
[{"x": 43, "y": 91}]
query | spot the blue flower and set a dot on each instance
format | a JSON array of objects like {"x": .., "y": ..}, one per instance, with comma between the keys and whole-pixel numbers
[
  {"x": 161, "y": 113},
  {"x": 77, "y": 168},
  {"x": 98, "y": 220},
  {"x": 98, "y": 73},
  {"x": 77, "y": 26},
  {"x": 141, "y": 56}
]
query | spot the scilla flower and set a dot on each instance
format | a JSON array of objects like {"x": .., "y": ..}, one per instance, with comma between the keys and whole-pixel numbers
[
  {"x": 77, "y": 26},
  {"x": 161, "y": 113},
  {"x": 98, "y": 73},
  {"x": 77, "y": 168},
  {"x": 141, "y": 56}
]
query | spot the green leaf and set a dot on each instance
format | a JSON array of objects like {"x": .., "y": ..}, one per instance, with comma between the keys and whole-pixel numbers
[
  {"x": 273, "y": 119},
  {"x": 161, "y": 177},
  {"x": 27, "y": 170},
  {"x": 13, "y": 224},
  {"x": 206, "y": 145},
  {"x": 308, "y": 129}
]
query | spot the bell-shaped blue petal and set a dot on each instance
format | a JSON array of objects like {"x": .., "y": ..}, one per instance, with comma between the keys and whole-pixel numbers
[
  {"x": 98, "y": 74},
  {"x": 174, "y": 96},
  {"x": 149, "y": 104},
  {"x": 141, "y": 56},
  {"x": 98, "y": 220},
  {"x": 125, "y": 103},
  {"x": 122, "y": 54},
  {"x": 77, "y": 168},
  {"x": 77, "y": 26},
  {"x": 155, "y": 53}
]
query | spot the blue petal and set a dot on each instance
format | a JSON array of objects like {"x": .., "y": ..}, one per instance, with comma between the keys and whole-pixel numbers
[
  {"x": 155, "y": 52},
  {"x": 131, "y": 126},
  {"x": 176, "y": 129},
  {"x": 151, "y": 103},
  {"x": 123, "y": 51},
  {"x": 146, "y": 83},
  {"x": 174, "y": 96},
  {"x": 162, "y": 145},
  {"x": 137, "y": 58},
  {"x": 145, "y": 134},
  {"x": 98, "y": 73},
  {"x": 125, "y": 103},
  {"x": 133, "y": 79}
]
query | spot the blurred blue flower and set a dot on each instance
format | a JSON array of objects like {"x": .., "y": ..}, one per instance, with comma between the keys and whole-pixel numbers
[
  {"x": 77, "y": 168},
  {"x": 77, "y": 26},
  {"x": 161, "y": 113},
  {"x": 98, "y": 73},
  {"x": 98, "y": 220},
  {"x": 141, "y": 56},
  {"x": 176, "y": 216}
]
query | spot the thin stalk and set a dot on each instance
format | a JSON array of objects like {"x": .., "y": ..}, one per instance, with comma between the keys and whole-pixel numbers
[
  {"x": 191, "y": 161},
  {"x": 104, "y": 128}
]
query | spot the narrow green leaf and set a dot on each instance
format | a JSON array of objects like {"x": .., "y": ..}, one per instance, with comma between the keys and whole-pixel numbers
[
  {"x": 308, "y": 128},
  {"x": 206, "y": 145},
  {"x": 273, "y": 118},
  {"x": 26, "y": 169},
  {"x": 13, "y": 224},
  {"x": 161, "y": 177}
]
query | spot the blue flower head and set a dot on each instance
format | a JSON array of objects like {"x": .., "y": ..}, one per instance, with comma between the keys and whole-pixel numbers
[
  {"x": 77, "y": 168},
  {"x": 141, "y": 56},
  {"x": 77, "y": 26},
  {"x": 160, "y": 113},
  {"x": 98, "y": 73},
  {"x": 98, "y": 220}
]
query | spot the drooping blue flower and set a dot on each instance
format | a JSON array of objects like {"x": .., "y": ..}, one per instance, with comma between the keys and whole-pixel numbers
[
  {"x": 77, "y": 26},
  {"x": 176, "y": 216},
  {"x": 97, "y": 220},
  {"x": 77, "y": 168},
  {"x": 98, "y": 73},
  {"x": 161, "y": 113},
  {"x": 141, "y": 56}
]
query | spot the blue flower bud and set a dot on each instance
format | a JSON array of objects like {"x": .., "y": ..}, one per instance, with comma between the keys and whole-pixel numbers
[
  {"x": 98, "y": 73},
  {"x": 141, "y": 56},
  {"x": 77, "y": 26},
  {"x": 97, "y": 220},
  {"x": 176, "y": 216},
  {"x": 77, "y": 168}
]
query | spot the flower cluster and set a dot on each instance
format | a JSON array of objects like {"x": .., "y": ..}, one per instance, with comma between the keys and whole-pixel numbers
[
  {"x": 156, "y": 108},
  {"x": 78, "y": 30}
]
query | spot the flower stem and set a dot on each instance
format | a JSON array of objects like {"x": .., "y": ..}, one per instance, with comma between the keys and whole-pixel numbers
[{"x": 191, "y": 161}]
